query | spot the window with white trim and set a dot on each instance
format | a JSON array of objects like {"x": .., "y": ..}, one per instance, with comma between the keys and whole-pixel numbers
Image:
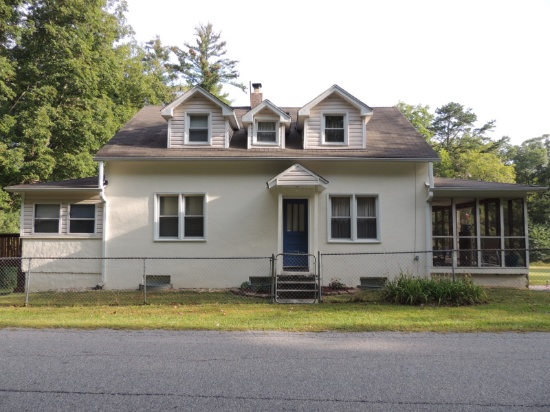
[
  {"x": 334, "y": 128},
  {"x": 198, "y": 128},
  {"x": 180, "y": 216},
  {"x": 266, "y": 131},
  {"x": 46, "y": 218},
  {"x": 353, "y": 218},
  {"x": 81, "y": 218}
]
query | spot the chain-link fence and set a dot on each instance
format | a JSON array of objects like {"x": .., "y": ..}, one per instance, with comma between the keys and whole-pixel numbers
[{"x": 131, "y": 281}]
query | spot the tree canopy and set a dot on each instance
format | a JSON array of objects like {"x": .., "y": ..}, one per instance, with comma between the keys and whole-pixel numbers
[
  {"x": 203, "y": 64},
  {"x": 69, "y": 79}
]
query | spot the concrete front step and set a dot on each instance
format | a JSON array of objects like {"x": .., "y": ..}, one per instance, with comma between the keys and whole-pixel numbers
[{"x": 297, "y": 287}]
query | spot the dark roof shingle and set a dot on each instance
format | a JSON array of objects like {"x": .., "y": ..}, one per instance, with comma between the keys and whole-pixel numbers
[{"x": 389, "y": 136}]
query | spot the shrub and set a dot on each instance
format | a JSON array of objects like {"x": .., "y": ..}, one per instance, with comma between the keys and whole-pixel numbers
[
  {"x": 407, "y": 290},
  {"x": 336, "y": 284},
  {"x": 8, "y": 279}
]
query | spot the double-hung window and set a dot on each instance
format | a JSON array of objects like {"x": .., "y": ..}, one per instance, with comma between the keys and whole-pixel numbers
[
  {"x": 334, "y": 128},
  {"x": 353, "y": 218},
  {"x": 266, "y": 132},
  {"x": 81, "y": 218},
  {"x": 46, "y": 218},
  {"x": 180, "y": 217},
  {"x": 198, "y": 128}
]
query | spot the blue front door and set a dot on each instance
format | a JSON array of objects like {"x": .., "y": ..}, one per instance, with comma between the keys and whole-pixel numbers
[{"x": 295, "y": 234}]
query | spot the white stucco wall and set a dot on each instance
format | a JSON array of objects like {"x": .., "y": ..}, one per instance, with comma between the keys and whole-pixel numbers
[
  {"x": 242, "y": 217},
  {"x": 61, "y": 263}
]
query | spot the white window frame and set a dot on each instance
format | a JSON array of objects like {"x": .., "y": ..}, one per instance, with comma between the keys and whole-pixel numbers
[
  {"x": 58, "y": 219},
  {"x": 354, "y": 217},
  {"x": 188, "y": 124},
  {"x": 69, "y": 219},
  {"x": 324, "y": 114},
  {"x": 181, "y": 217},
  {"x": 255, "y": 132}
]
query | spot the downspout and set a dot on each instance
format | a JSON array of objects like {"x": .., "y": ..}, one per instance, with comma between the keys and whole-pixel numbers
[
  {"x": 429, "y": 242},
  {"x": 104, "y": 234}
]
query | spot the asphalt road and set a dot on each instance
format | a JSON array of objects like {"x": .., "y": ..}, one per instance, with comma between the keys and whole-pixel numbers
[{"x": 105, "y": 370}]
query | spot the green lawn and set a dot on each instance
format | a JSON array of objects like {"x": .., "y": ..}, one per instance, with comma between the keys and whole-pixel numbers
[
  {"x": 539, "y": 275},
  {"x": 506, "y": 310}
]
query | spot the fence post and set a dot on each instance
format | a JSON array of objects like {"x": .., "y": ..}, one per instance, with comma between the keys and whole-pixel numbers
[
  {"x": 272, "y": 263},
  {"x": 320, "y": 279},
  {"x": 144, "y": 283},
  {"x": 28, "y": 283},
  {"x": 453, "y": 261}
]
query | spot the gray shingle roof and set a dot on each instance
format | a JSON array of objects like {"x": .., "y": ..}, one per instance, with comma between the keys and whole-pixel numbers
[
  {"x": 446, "y": 184},
  {"x": 86, "y": 183},
  {"x": 389, "y": 136}
]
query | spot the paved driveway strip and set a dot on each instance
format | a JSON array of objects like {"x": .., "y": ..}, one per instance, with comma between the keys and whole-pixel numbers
[{"x": 105, "y": 370}]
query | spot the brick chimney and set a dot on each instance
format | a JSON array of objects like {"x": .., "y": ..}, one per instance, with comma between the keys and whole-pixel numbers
[{"x": 256, "y": 97}]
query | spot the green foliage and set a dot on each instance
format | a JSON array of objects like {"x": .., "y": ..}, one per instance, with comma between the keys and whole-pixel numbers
[
  {"x": 454, "y": 129},
  {"x": 8, "y": 279},
  {"x": 336, "y": 283},
  {"x": 484, "y": 166},
  {"x": 420, "y": 117},
  {"x": 539, "y": 243},
  {"x": 408, "y": 290},
  {"x": 78, "y": 80},
  {"x": 204, "y": 64}
]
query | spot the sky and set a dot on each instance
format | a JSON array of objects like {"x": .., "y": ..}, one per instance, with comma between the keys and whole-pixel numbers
[{"x": 490, "y": 56}]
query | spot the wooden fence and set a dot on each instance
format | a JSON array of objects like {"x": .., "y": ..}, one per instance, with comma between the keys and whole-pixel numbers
[{"x": 10, "y": 245}]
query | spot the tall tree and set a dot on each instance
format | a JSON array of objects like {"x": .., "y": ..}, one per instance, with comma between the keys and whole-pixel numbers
[
  {"x": 204, "y": 64},
  {"x": 77, "y": 81},
  {"x": 455, "y": 131},
  {"x": 420, "y": 117}
]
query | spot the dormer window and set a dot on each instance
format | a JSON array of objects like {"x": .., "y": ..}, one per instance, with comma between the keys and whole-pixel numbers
[
  {"x": 267, "y": 132},
  {"x": 335, "y": 128},
  {"x": 198, "y": 128}
]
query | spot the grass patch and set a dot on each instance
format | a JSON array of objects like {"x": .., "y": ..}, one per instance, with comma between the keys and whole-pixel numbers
[
  {"x": 539, "y": 275},
  {"x": 506, "y": 310}
]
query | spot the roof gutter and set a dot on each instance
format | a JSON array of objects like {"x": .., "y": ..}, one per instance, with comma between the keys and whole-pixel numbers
[
  {"x": 101, "y": 186},
  {"x": 260, "y": 158}
]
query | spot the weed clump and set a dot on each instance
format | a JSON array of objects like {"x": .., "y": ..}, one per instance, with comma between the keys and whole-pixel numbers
[{"x": 408, "y": 290}]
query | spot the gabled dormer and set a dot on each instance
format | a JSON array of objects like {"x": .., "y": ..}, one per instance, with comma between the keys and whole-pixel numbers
[
  {"x": 198, "y": 119},
  {"x": 335, "y": 119},
  {"x": 266, "y": 126}
]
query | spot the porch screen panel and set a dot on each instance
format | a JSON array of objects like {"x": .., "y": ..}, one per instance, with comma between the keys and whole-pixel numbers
[
  {"x": 341, "y": 217},
  {"x": 514, "y": 233},
  {"x": 467, "y": 240},
  {"x": 514, "y": 223},
  {"x": 442, "y": 233},
  {"x": 490, "y": 230}
]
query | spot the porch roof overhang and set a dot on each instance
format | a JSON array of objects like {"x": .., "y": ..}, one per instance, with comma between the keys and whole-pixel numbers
[
  {"x": 84, "y": 185},
  {"x": 298, "y": 176},
  {"x": 445, "y": 187}
]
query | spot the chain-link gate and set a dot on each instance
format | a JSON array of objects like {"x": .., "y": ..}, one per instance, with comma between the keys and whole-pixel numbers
[{"x": 297, "y": 279}]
